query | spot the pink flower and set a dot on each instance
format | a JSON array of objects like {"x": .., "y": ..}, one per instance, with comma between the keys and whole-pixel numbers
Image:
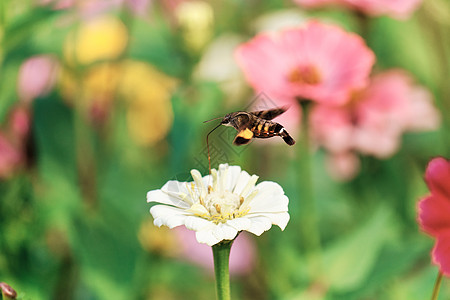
[
  {"x": 316, "y": 3},
  {"x": 400, "y": 9},
  {"x": 13, "y": 140},
  {"x": 317, "y": 62},
  {"x": 434, "y": 211},
  {"x": 373, "y": 122},
  {"x": 242, "y": 256},
  {"x": 92, "y": 8},
  {"x": 37, "y": 76},
  {"x": 19, "y": 122},
  {"x": 138, "y": 7},
  {"x": 10, "y": 157},
  {"x": 342, "y": 166}
]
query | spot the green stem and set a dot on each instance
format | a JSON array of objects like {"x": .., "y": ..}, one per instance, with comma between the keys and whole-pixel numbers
[
  {"x": 221, "y": 253},
  {"x": 437, "y": 286},
  {"x": 308, "y": 214}
]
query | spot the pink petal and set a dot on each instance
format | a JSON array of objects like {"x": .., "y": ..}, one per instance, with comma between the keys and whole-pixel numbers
[
  {"x": 37, "y": 76},
  {"x": 437, "y": 177},
  {"x": 441, "y": 253},
  {"x": 434, "y": 215},
  {"x": 19, "y": 122},
  {"x": 332, "y": 128},
  {"x": 400, "y": 9},
  {"x": 343, "y": 166},
  {"x": 10, "y": 157},
  {"x": 315, "y": 3}
]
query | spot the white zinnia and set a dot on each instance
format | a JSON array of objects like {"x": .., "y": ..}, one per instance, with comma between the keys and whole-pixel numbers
[{"x": 220, "y": 205}]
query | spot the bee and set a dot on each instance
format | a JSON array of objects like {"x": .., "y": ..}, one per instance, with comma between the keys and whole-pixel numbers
[{"x": 255, "y": 124}]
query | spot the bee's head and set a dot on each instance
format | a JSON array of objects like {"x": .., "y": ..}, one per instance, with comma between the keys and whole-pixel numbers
[{"x": 226, "y": 120}]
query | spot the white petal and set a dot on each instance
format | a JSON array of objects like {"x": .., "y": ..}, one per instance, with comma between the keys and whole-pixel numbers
[
  {"x": 175, "y": 186},
  {"x": 222, "y": 177},
  {"x": 240, "y": 223},
  {"x": 215, "y": 234},
  {"x": 199, "y": 183},
  {"x": 270, "y": 198},
  {"x": 241, "y": 182},
  {"x": 206, "y": 237},
  {"x": 224, "y": 232},
  {"x": 234, "y": 172},
  {"x": 249, "y": 186},
  {"x": 164, "y": 198},
  {"x": 197, "y": 223},
  {"x": 168, "y": 216},
  {"x": 270, "y": 188},
  {"x": 198, "y": 209},
  {"x": 279, "y": 219},
  {"x": 207, "y": 181},
  {"x": 259, "y": 224},
  {"x": 271, "y": 204}
]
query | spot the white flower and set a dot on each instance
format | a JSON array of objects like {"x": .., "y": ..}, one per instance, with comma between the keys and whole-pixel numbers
[{"x": 220, "y": 205}]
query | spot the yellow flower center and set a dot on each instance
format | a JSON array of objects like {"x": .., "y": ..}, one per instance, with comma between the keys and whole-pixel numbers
[
  {"x": 219, "y": 207},
  {"x": 216, "y": 203},
  {"x": 307, "y": 74},
  {"x": 223, "y": 206}
]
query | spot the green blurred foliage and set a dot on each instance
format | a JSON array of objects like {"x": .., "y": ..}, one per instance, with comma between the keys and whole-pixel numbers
[{"x": 70, "y": 219}]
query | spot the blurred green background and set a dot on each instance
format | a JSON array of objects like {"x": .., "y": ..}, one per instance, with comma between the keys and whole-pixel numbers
[{"x": 115, "y": 94}]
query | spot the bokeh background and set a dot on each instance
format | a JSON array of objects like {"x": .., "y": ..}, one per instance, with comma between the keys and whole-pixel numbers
[{"x": 102, "y": 101}]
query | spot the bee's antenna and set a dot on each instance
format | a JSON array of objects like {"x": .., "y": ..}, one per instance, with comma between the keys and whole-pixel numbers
[
  {"x": 212, "y": 119},
  {"x": 207, "y": 143}
]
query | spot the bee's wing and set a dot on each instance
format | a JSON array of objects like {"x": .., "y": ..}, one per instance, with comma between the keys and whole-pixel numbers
[
  {"x": 269, "y": 114},
  {"x": 241, "y": 120},
  {"x": 243, "y": 137}
]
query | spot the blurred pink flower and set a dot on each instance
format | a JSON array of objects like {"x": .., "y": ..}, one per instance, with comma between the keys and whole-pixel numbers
[
  {"x": 315, "y": 62},
  {"x": 317, "y": 3},
  {"x": 434, "y": 211},
  {"x": 37, "y": 77},
  {"x": 373, "y": 122},
  {"x": 400, "y": 9},
  {"x": 242, "y": 256},
  {"x": 139, "y": 7},
  {"x": 92, "y": 8},
  {"x": 342, "y": 166},
  {"x": 19, "y": 122},
  {"x": 57, "y": 4},
  {"x": 10, "y": 157},
  {"x": 13, "y": 140}
]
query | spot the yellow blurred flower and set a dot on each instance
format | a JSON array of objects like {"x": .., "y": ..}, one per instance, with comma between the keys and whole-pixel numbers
[
  {"x": 159, "y": 241},
  {"x": 94, "y": 91},
  {"x": 103, "y": 38},
  {"x": 147, "y": 92},
  {"x": 196, "y": 21}
]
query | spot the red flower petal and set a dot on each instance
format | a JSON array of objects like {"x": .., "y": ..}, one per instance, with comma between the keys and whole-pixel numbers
[
  {"x": 434, "y": 215},
  {"x": 441, "y": 253},
  {"x": 437, "y": 177}
]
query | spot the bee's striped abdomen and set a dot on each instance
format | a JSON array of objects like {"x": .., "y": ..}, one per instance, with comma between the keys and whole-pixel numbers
[{"x": 266, "y": 129}]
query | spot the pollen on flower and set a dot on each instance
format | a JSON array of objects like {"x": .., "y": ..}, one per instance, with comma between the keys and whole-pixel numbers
[
  {"x": 305, "y": 75},
  {"x": 218, "y": 205}
]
